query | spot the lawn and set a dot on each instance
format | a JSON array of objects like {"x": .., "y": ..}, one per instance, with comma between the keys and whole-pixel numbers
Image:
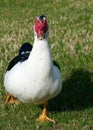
[{"x": 71, "y": 44}]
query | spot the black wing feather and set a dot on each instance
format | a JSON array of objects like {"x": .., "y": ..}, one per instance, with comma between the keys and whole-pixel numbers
[
  {"x": 24, "y": 53},
  {"x": 19, "y": 58},
  {"x": 25, "y": 48}
]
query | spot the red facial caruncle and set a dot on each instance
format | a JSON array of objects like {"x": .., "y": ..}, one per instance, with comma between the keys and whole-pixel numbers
[{"x": 41, "y": 26}]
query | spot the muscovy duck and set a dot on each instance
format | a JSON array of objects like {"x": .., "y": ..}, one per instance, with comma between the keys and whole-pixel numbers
[{"x": 32, "y": 76}]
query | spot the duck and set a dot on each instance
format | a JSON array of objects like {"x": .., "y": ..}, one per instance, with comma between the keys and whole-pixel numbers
[{"x": 33, "y": 76}]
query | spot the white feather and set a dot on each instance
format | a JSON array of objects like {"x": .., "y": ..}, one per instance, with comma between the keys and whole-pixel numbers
[{"x": 36, "y": 79}]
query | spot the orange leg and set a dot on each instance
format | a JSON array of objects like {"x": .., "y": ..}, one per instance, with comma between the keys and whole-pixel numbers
[
  {"x": 11, "y": 99},
  {"x": 43, "y": 117}
]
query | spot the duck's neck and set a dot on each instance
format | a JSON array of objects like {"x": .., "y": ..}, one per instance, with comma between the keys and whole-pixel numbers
[
  {"x": 41, "y": 51},
  {"x": 41, "y": 46},
  {"x": 40, "y": 58}
]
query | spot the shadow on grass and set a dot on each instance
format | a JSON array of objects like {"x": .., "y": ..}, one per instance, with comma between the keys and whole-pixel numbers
[{"x": 77, "y": 93}]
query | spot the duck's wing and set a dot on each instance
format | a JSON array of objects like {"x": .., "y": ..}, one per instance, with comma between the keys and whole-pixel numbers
[
  {"x": 25, "y": 48},
  {"x": 15, "y": 60},
  {"x": 24, "y": 53}
]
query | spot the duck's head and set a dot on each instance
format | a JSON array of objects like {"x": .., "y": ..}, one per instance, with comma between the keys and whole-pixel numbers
[{"x": 41, "y": 28}]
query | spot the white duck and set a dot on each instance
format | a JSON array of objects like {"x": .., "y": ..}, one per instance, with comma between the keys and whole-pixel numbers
[{"x": 33, "y": 76}]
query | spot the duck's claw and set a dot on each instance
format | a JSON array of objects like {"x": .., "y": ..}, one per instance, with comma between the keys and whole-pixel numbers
[
  {"x": 43, "y": 118},
  {"x": 11, "y": 99}
]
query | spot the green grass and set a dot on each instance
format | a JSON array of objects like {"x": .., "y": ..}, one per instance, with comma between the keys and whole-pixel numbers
[{"x": 71, "y": 43}]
